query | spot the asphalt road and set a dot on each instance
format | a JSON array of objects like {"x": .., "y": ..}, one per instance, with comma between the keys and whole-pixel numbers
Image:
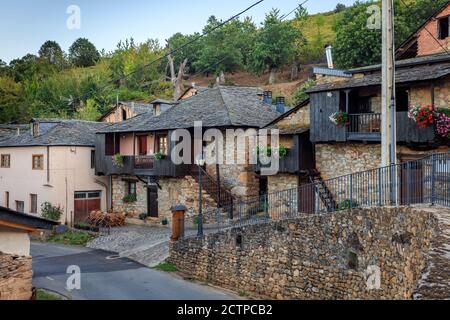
[{"x": 111, "y": 279}]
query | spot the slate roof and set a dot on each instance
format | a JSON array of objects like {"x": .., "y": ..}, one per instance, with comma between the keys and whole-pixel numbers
[
  {"x": 54, "y": 132},
  {"x": 11, "y": 216},
  {"x": 137, "y": 107},
  {"x": 428, "y": 59},
  {"x": 403, "y": 75},
  {"x": 223, "y": 106}
]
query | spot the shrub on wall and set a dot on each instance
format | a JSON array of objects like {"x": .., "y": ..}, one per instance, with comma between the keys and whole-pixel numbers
[
  {"x": 130, "y": 198},
  {"x": 50, "y": 212}
]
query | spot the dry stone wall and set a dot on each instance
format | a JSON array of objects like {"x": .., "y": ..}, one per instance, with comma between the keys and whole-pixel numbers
[
  {"x": 330, "y": 256},
  {"x": 15, "y": 277}
]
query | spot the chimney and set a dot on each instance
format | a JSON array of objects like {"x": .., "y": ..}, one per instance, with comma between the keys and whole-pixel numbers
[
  {"x": 267, "y": 97},
  {"x": 281, "y": 104},
  {"x": 329, "y": 51}
]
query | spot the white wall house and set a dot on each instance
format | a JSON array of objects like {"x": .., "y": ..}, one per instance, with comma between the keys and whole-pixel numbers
[{"x": 53, "y": 162}]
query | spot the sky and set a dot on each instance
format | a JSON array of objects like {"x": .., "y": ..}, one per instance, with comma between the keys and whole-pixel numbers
[{"x": 26, "y": 24}]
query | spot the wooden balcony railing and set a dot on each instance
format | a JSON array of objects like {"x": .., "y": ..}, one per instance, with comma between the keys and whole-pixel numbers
[
  {"x": 144, "y": 162},
  {"x": 364, "y": 123}
]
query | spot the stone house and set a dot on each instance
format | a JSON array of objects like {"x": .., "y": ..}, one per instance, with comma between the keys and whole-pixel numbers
[
  {"x": 53, "y": 162},
  {"x": 147, "y": 174},
  {"x": 127, "y": 110},
  {"x": 298, "y": 165},
  {"x": 15, "y": 261},
  {"x": 341, "y": 150},
  {"x": 432, "y": 37}
]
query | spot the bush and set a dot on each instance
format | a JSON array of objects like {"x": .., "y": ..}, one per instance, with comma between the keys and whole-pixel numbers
[
  {"x": 71, "y": 238},
  {"x": 130, "y": 198},
  {"x": 348, "y": 204},
  {"x": 50, "y": 212}
]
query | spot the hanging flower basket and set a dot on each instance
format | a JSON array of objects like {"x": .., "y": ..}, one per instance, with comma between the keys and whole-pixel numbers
[
  {"x": 423, "y": 116},
  {"x": 118, "y": 160},
  {"x": 340, "y": 119},
  {"x": 442, "y": 121}
]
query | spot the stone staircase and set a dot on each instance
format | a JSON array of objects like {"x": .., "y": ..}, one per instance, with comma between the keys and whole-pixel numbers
[{"x": 435, "y": 281}]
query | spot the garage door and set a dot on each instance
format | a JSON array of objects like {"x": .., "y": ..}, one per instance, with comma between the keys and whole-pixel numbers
[{"x": 85, "y": 203}]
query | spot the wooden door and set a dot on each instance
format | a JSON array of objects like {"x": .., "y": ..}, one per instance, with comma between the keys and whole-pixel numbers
[
  {"x": 306, "y": 197},
  {"x": 143, "y": 145},
  {"x": 152, "y": 202},
  {"x": 411, "y": 183},
  {"x": 84, "y": 204}
]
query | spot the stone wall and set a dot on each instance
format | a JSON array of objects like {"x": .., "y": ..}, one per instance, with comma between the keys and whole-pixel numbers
[
  {"x": 281, "y": 182},
  {"x": 15, "y": 277},
  {"x": 336, "y": 160},
  {"x": 120, "y": 190},
  {"x": 316, "y": 256}
]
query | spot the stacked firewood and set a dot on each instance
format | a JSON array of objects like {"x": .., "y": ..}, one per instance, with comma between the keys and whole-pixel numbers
[{"x": 106, "y": 220}]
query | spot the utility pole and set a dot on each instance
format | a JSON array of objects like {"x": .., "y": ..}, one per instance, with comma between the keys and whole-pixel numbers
[
  {"x": 389, "y": 116},
  {"x": 388, "y": 109}
]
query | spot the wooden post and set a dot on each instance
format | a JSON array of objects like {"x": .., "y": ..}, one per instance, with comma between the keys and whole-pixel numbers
[
  {"x": 178, "y": 214},
  {"x": 388, "y": 131}
]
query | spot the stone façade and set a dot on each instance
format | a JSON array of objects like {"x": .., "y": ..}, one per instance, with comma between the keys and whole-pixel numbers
[{"x": 15, "y": 277}]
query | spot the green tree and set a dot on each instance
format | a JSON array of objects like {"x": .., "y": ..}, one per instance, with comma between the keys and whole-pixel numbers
[
  {"x": 274, "y": 45},
  {"x": 190, "y": 52},
  {"x": 12, "y": 106},
  {"x": 225, "y": 49},
  {"x": 52, "y": 53},
  {"x": 83, "y": 53},
  {"x": 24, "y": 68},
  {"x": 3, "y": 68},
  {"x": 89, "y": 111},
  {"x": 339, "y": 8},
  {"x": 356, "y": 45}
]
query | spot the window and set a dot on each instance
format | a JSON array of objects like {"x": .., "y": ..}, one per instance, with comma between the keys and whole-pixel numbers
[
  {"x": 124, "y": 114},
  {"x": 112, "y": 144},
  {"x": 92, "y": 159},
  {"x": 20, "y": 206},
  {"x": 132, "y": 188},
  {"x": 443, "y": 28},
  {"x": 161, "y": 144},
  {"x": 33, "y": 203},
  {"x": 35, "y": 129},
  {"x": 38, "y": 162},
  {"x": 5, "y": 161},
  {"x": 7, "y": 199},
  {"x": 83, "y": 195},
  {"x": 402, "y": 100}
]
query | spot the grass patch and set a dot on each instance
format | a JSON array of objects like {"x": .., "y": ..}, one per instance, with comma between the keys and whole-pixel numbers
[
  {"x": 71, "y": 238},
  {"x": 166, "y": 267},
  {"x": 44, "y": 295}
]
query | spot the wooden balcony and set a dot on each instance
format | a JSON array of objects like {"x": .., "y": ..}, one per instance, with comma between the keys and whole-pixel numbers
[{"x": 367, "y": 127}]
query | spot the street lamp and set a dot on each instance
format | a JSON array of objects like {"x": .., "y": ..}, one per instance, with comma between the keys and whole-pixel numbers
[{"x": 200, "y": 161}]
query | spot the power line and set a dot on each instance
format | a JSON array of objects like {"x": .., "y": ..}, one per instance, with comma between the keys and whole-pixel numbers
[
  {"x": 172, "y": 51},
  {"x": 291, "y": 12},
  {"x": 428, "y": 31}
]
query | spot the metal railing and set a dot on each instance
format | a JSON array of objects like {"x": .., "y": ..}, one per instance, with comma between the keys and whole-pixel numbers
[
  {"x": 424, "y": 181},
  {"x": 364, "y": 123},
  {"x": 219, "y": 193}
]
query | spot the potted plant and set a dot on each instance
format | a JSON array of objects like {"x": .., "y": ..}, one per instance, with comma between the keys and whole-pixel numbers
[
  {"x": 130, "y": 198},
  {"x": 159, "y": 156},
  {"x": 118, "y": 160},
  {"x": 340, "y": 119},
  {"x": 164, "y": 222},
  {"x": 423, "y": 116}
]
